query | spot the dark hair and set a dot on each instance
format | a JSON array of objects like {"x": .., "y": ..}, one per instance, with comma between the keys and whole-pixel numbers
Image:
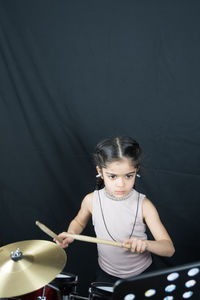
[{"x": 115, "y": 149}]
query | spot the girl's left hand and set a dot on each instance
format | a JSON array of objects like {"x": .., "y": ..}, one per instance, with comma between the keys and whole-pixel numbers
[{"x": 136, "y": 245}]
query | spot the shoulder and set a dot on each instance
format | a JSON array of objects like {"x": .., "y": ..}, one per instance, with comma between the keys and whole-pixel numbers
[
  {"x": 147, "y": 202},
  {"x": 148, "y": 208},
  {"x": 88, "y": 201}
]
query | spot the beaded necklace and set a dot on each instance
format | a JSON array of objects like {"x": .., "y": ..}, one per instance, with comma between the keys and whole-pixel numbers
[{"x": 115, "y": 198}]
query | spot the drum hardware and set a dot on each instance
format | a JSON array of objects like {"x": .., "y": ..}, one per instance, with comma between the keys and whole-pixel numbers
[
  {"x": 27, "y": 266},
  {"x": 66, "y": 283},
  {"x": 101, "y": 291},
  {"x": 43, "y": 297},
  {"x": 16, "y": 255},
  {"x": 53, "y": 287},
  {"x": 76, "y": 296},
  {"x": 97, "y": 291}
]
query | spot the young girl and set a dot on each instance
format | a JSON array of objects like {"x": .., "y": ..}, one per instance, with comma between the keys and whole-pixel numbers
[{"x": 120, "y": 213}]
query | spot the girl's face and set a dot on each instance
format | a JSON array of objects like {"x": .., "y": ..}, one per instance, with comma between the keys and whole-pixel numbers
[{"x": 119, "y": 177}]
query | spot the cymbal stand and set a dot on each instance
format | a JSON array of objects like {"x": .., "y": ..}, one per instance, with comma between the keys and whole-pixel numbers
[{"x": 43, "y": 297}]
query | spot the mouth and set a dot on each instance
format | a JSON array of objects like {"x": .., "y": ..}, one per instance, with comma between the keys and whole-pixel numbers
[{"x": 119, "y": 193}]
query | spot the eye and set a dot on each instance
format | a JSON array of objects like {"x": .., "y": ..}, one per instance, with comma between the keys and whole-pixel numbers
[
  {"x": 112, "y": 176},
  {"x": 129, "y": 176}
]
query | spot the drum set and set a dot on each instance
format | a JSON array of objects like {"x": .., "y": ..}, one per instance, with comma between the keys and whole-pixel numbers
[{"x": 32, "y": 270}]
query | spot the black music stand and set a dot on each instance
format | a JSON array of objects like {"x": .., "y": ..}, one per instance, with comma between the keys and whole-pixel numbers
[{"x": 176, "y": 283}]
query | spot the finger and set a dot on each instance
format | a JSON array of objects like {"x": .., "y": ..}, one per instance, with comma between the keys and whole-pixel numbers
[
  {"x": 144, "y": 246},
  {"x": 138, "y": 246},
  {"x": 141, "y": 246},
  {"x": 127, "y": 241},
  {"x": 133, "y": 245},
  {"x": 126, "y": 244},
  {"x": 62, "y": 235}
]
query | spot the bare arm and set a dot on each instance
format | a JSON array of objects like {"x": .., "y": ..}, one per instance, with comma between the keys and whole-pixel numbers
[
  {"x": 78, "y": 224},
  {"x": 162, "y": 245}
]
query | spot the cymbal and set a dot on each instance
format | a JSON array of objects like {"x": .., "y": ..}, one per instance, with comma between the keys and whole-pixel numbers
[{"x": 29, "y": 265}]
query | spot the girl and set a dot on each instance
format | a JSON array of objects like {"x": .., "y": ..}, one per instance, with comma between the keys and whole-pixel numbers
[{"x": 120, "y": 213}]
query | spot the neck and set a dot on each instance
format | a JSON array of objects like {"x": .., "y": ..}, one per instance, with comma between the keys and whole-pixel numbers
[{"x": 112, "y": 197}]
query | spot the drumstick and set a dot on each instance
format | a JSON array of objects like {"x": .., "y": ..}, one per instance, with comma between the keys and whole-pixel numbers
[
  {"x": 79, "y": 237},
  {"x": 48, "y": 231}
]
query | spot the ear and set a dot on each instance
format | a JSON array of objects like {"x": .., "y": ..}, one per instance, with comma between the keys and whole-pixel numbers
[
  {"x": 138, "y": 175},
  {"x": 99, "y": 171}
]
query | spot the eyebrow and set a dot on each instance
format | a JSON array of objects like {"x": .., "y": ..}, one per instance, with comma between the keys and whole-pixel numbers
[{"x": 123, "y": 174}]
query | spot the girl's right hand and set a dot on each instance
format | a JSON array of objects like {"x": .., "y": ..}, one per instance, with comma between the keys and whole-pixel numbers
[{"x": 66, "y": 240}]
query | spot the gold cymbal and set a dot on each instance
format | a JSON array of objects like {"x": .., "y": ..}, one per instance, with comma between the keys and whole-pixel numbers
[{"x": 29, "y": 265}]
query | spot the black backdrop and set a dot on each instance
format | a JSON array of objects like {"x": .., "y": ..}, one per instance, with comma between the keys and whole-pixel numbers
[{"x": 75, "y": 72}]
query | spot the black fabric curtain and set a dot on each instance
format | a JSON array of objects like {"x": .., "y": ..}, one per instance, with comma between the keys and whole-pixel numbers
[{"x": 75, "y": 72}]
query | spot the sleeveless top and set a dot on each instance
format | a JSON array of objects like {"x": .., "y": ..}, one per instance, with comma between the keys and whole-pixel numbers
[{"x": 119, "y": 218}]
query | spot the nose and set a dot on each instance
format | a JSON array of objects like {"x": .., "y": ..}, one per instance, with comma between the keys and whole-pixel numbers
[{"x": 120, "y": 181}]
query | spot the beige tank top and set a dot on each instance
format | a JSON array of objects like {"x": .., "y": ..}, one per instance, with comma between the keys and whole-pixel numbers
[{"x": 115, "y": 219}]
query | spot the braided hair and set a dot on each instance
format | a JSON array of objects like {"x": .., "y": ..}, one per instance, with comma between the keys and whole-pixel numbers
[{"x": 115, "y": 149}]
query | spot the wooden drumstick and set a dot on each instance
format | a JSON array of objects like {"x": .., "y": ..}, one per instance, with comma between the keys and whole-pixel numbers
[
  {"x": 79, "y": 237},
  {"x": 48, "y": 231}
]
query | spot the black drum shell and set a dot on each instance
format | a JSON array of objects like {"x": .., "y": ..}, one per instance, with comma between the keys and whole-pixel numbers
[{"x": 67, "y": 284}]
